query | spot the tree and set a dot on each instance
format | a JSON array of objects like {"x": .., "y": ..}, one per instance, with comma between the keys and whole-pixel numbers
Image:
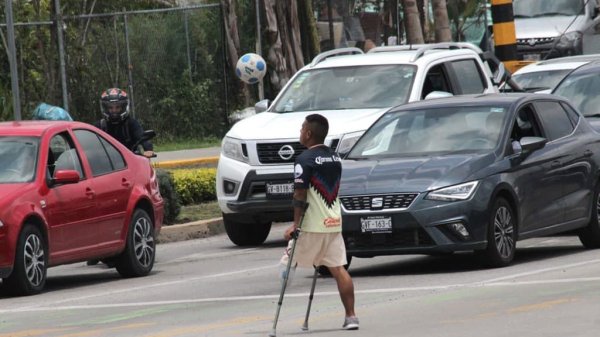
[
  {"x": 414, "y": 33},
  {"x": 442, "y": 24}
]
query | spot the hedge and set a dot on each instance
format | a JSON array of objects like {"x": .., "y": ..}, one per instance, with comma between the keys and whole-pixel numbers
[{"x": 184, "y": 187}]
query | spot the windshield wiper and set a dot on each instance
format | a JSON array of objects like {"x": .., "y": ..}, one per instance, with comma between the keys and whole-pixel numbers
[
  {"x": 596, "y": 115},
  {"x": 551, "y": 14},
  {"x": 517, "y": 16}
]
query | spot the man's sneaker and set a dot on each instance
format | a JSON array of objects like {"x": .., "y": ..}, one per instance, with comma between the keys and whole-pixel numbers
[{"x": 350, "y": 323}]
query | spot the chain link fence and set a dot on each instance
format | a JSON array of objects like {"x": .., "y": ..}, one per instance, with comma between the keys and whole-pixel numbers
[{"x": 172, "y": 62}]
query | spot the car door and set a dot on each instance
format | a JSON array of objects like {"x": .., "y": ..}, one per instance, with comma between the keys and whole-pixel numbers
[
  {"x": 112, "y": 183},
  {"x": 538, "y": 175},
  {"x": 575, "y": 168},
  {"x": 69, "y": 208}
]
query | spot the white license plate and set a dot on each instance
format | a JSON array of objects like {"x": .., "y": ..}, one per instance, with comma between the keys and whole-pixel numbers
[
  {"x": 380, "y": 224},
  {"x": 532, "y": 57},
  {"x": 280, "y": 189}
]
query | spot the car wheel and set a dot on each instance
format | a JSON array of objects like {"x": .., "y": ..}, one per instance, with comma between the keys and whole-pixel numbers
[
  {"x": 325, "y": 271},
  {"x": 31, "y": 263},
  {"x": 590, "y": 235},
  {"x": 501, "y": 236},
  {"x": 246, "y": 234},
  {"x": 140, "y": 249}
]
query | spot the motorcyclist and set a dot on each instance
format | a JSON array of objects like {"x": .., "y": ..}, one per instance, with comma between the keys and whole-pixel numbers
[{"x": 116, "y": 121}]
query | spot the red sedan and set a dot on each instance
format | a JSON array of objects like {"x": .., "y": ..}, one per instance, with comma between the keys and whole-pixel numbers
[{"x": 70, "y": 193}]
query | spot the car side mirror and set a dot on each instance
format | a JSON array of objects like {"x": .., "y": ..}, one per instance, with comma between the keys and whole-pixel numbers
[
  {"x": 529, "y": 144},
  {"x": 65, "y": 177},
  {"x": 262, "y": 106},
  {"x": 438, "y": 94}
]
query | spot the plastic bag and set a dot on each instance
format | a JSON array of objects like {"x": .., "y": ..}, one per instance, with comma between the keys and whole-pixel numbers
[{"x": 49, "y": 112}]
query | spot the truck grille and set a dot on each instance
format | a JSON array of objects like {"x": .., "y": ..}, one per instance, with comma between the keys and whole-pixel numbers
[
  {"x": 378, "y": 202},
  {"x": 271, "y": 153}
]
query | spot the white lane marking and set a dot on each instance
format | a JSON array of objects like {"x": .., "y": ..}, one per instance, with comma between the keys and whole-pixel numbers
[
  {"x": 199, "y": 256},
  {"x": 543, "y": 270},
  {"x": 276, "y": 296}
]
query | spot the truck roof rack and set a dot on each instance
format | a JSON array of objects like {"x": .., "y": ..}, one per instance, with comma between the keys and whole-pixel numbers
[
  {"x": 422, "y": 48},
  {"x": 335, "y": 52}
]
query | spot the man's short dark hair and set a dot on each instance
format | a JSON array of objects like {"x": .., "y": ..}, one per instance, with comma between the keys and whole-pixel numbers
[{"x": 319, "y": 126}]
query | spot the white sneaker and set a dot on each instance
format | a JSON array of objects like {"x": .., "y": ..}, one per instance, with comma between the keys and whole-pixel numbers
[{"x": 350, "y": 323}]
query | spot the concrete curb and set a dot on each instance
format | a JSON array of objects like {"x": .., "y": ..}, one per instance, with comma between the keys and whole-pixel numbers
[
  {"x": 191, "y": 230},
  {"x": 186, "y": 162}
]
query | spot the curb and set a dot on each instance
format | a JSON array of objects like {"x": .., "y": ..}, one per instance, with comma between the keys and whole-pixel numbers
[
  {"x": 186, "y": 162},
  {"x": 191, "y": 230}
]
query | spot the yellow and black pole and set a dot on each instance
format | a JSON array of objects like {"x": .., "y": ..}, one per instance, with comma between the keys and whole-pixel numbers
[{"x": 505, "y": 39}]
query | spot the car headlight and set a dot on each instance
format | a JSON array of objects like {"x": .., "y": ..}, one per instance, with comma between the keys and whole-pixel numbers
[
  {"x": 569, "y": 40},
  {"x": 453, "y": 193},
  {"x": 348, "y": 140},
  {"x": 234, "y": 149}
]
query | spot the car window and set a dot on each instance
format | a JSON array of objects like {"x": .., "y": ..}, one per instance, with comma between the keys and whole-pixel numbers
[
  {"x": 363, "y": 87},
  {"x": 540, "y": 80},
  {"x": 98, "y": 155},
  {"x": 582, "y": 91},
  {"x": 62, "y": 155},
  {"x": 469, "y": 76},
  {"x": 436, "y": 79},
  {"x": 555, "y": 120},
  {"x": 18, "y": 159},
  {"x": 525, "y": 124},
  {"x": 573, "y": 115},
  {"x": 116, "y": 158},
  {"x": 434, "y": 130}
]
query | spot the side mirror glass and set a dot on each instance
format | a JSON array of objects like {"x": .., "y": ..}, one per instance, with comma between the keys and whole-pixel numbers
[{"x": 262, "y": 106}]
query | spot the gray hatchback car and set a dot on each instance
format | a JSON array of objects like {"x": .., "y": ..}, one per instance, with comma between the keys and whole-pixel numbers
[{"x": 475, "y": 173}]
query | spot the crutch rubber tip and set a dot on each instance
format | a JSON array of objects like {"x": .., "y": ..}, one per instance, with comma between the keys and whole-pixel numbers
[
  {"x": 272, "y": 334},
  {"x": 304, "y": 328}
]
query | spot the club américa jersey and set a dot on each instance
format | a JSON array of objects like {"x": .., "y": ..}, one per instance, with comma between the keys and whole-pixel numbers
[{"x": 318, "y": 170}]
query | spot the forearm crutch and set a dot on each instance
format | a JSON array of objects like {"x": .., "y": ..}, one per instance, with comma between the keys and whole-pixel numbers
[
  {"x": 287, "y": 272},
  {"x": 310, "y": 298}
]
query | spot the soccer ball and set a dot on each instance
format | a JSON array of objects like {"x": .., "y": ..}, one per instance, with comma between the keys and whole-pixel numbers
[{"x": 251, "y": 68}]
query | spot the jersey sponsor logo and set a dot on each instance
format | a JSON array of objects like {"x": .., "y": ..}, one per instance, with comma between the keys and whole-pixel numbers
[
  {"x": 298, "y": 170},
  {"x": 320, "y": 160},
  {"x": 332, "y": 222}
]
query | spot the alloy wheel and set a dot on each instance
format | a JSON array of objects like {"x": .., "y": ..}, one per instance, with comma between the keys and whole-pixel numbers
[
  {"x": 503, "y": 232},
  {"x": 143, "y": 242},
  {"x": 34, "y": 260}
]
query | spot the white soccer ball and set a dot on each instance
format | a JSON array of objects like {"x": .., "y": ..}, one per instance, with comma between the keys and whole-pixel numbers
[{"x": 251, "y": 68}]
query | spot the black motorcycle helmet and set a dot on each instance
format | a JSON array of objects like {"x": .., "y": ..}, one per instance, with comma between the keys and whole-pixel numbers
[{"x": 114, "y": 104}]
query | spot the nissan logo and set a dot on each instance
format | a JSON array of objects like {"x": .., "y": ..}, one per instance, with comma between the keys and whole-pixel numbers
[{"x": 286, "y": 152}]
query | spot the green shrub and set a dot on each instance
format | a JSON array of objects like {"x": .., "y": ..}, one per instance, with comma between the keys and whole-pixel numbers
[
  {"x": 195, "y": 185},
  {"x": 170, "y": 195}
]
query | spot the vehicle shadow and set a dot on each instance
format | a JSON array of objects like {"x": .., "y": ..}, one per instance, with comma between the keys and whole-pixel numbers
[{"x": 453, "y": 263}]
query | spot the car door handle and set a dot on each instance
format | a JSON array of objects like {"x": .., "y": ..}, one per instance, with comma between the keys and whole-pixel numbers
[
  {"x": 125, "y": 182},
  {"x": 90, "y": 193},
  {"x": 555, "y": 164},
  {"x": 588, "y": 153}
]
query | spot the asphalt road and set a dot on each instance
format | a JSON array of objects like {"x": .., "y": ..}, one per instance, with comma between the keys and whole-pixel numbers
[{"x": 208, "y": 287}]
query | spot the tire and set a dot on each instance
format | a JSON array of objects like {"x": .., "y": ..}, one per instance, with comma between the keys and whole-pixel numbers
[
  {"x": 246, "y": 234},
  {"x": 501, "y": 235},
  {"x": 140, "y": 249},
  {"x": 590, "y": 235},
  {"x": 325, "y": 271},
  {"x": 31, "y": 263}
]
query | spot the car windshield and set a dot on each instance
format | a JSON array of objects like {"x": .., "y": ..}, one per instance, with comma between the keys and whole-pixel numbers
[
  {"x": 432, "y": 131},
  {"x": 582, "y": 90},
  {"x": 540, "y": 80},
  {"x": 18, "y": 159},
  {"x": 361, "y": 87},
  {"x": 536, "y": 8}
]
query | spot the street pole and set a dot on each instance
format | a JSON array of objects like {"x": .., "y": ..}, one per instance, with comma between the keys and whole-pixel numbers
[
  {"x": 14, "y": 77},
  {"x": 61, "y": 54},
  {"x": 261, "y": 88}
]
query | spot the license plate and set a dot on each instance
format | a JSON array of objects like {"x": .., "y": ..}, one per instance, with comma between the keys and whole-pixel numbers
[
  {"x": 532, "y": 57},
  {"x": 379, "y": 224},
  {"x": 280, "y": 190}
]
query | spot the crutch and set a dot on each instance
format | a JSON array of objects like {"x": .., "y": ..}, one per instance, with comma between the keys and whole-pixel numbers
[
  {"x": 310, "y": 298},
  {"x": 287, "y": 272}
]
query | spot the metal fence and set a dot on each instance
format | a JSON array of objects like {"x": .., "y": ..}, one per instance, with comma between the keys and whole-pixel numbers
[{"x": 171, "y": 61}]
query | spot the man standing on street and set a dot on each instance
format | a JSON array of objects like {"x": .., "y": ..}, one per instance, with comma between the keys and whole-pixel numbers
[{"x": 317, "y": 174}]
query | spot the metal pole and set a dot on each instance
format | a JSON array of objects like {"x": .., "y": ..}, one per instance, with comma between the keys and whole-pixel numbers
[
  {"x": 329, "y": 16},
  {"x": 261, "y": 88},
  {"x": 61, "y": 54},
  {"x": 187, "y": 41},
  {"x": 225, "y": 66},
  {"x": 485, "y": 23},
  {"x": 14, "y": 77},
  {"x": 129, "y": 70}
]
